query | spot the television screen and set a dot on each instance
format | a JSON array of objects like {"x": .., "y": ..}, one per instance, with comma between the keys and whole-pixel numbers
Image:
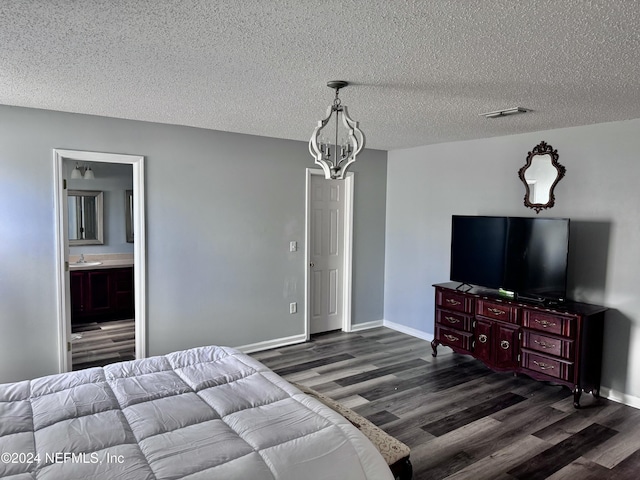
[{"x": 525, "y": 255}]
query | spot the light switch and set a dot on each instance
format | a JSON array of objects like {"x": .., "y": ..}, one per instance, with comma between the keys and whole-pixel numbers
[{"x": 293, "y": 246}]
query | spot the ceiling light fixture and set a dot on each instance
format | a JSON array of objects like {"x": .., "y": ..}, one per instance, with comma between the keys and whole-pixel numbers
[
  {"x": 505, "y": 112},
  {"x": 336, "y": 154},
  {"x": 82, "y": 172}
]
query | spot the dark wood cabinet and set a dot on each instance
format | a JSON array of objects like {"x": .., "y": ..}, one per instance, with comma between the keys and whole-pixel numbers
[
  {"x": 482, "y": 344},
  {"x": 505, "y": 346},
  {"x": 104, "y": 294},
  {"x": 560, "y": 343}
]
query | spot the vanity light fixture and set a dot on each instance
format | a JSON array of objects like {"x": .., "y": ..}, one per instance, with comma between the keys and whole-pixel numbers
[
  {"x": 336, "y": 153},
  {"x": 82, "y": 172},
  {"x": 505, "y": 112}
]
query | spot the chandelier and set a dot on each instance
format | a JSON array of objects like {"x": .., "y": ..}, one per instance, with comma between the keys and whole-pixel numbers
[{"x": 338, "y": 151}]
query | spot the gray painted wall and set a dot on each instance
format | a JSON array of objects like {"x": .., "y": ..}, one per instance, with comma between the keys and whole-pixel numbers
[
  {"x": 221, "y": 211},
  {"x": 600, "y": 194}
]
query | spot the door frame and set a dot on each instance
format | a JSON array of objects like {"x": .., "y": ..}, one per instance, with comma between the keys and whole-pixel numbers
[
  {"x": 62, "y": 248},
  {"x": 347, "y": 279}
]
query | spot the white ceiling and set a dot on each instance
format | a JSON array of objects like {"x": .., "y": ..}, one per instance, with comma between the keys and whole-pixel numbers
[{"x": 422, "y": 71}]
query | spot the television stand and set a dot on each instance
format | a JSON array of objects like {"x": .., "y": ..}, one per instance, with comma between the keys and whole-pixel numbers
[{"x": 556, "y": 343}]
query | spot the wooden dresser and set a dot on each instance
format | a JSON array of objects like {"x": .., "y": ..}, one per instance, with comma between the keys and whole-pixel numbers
[{"x": 560, "y": 343}]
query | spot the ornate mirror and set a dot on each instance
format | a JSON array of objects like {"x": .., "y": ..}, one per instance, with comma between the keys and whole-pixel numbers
[{"x": 540, "y": 175}]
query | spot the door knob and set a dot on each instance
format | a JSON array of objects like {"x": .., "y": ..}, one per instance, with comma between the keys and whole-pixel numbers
[{"x": 312, "y": 264}]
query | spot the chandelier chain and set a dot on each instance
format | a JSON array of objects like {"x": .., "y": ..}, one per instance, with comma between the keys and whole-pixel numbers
[{"x": 336, "y": 101}]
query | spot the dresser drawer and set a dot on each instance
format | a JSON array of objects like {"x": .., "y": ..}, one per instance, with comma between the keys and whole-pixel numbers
[
  {"x": 455, "y": 320},
  {"x": 454, "y": 338},
  {"x": 553, "y": 367},
  {"x": 559, "y": 347},
  {"x": 454, "y": 301},
  {"x": 549, "y": 323},
  {"x": 498, "y": 311}
]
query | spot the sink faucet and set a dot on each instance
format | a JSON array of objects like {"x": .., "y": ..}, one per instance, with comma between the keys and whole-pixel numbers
[{"x": 81, "y": 260}]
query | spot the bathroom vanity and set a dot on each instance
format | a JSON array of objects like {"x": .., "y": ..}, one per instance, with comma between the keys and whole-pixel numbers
[
  {"x": 101, "y": 294},
  {"x": 102, "y": 287}
]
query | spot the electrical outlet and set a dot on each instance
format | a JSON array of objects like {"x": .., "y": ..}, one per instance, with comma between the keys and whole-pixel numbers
[{"x": 293, "y": 307}]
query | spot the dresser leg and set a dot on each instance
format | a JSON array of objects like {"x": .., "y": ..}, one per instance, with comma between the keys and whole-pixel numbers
[
  {"x": 577, "y": 391},
  {"x": 434, "y": 346}
]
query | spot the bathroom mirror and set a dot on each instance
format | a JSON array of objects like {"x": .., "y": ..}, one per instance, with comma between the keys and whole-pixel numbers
[
  {"x": 128, "y": 214},
  {"x": 540, "y": 175},
  {"x": 85, "y": 217}
]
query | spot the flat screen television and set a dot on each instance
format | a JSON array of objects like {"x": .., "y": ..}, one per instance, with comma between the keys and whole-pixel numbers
[{"x": 526, "y": 256}]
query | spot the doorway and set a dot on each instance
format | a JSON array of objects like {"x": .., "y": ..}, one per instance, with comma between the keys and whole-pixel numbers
[
  {"x": 134, "y": 202},
  {"x": 328, "y": 245}
]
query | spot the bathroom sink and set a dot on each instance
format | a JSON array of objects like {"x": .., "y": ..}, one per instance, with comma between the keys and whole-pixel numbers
[{"x": 84, "y": 264}]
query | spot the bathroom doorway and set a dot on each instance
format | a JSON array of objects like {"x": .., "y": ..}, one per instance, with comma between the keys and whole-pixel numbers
[{"x": 100, "y": 258}]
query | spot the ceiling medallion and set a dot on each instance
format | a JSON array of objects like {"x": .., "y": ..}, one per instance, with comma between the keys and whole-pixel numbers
[{"x": 505, "y": 112}]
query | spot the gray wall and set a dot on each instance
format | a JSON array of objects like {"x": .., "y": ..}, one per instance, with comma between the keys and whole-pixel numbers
[
  {"x": 221, "y": 210},
  {"x": 600, "y": 194}
]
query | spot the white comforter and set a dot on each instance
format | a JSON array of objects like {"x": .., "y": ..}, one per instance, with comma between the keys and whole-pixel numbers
[{"x": 205, "y": 413}]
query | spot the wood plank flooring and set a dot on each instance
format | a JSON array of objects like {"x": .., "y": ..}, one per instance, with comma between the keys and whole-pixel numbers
[
  {"x": 100, "y": 343},
  {"x": 460, "y": 419}
]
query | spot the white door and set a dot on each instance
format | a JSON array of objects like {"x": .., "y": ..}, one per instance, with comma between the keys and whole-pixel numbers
[{"x": 326, "y": 253}]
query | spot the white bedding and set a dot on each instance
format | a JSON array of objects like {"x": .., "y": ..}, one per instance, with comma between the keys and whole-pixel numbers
[{"x": 204, "y": 413}]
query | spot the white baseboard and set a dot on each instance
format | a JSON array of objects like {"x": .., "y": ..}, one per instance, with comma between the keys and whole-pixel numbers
[
  {"x": 620, "y": 397},
  {"x": 356, "y": 327},
  {"x": 408, "y": 330},
  {"x": 275, "y": 343}
]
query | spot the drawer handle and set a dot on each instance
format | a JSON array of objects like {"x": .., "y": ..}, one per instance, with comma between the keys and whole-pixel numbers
[
  {"x": 451, "y": 338},
  {"x": 452, "y": 320},
  {"x": 545, "y": 323},
  {"x": 451, "y": 301},
  {"x": 482, "y": 338},
  {"x": 496, "y": 311},
  {"x": 544, "y": 344},
  {"x": 543, "y": 366},
  {"x": 504, "y": 344}
]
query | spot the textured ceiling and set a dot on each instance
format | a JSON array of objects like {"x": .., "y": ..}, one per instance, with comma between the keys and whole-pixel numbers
[{"x": 422, "y": 71}]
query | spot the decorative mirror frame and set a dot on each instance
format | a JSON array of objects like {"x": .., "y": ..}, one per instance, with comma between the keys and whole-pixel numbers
[{"x": 542, "y": 149}]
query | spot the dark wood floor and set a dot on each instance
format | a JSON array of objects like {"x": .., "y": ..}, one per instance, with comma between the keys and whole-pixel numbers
[{"x": 461, "y": 420}]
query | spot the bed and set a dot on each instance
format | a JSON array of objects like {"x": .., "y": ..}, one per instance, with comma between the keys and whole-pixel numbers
[{"x": 204, "y": 413}]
